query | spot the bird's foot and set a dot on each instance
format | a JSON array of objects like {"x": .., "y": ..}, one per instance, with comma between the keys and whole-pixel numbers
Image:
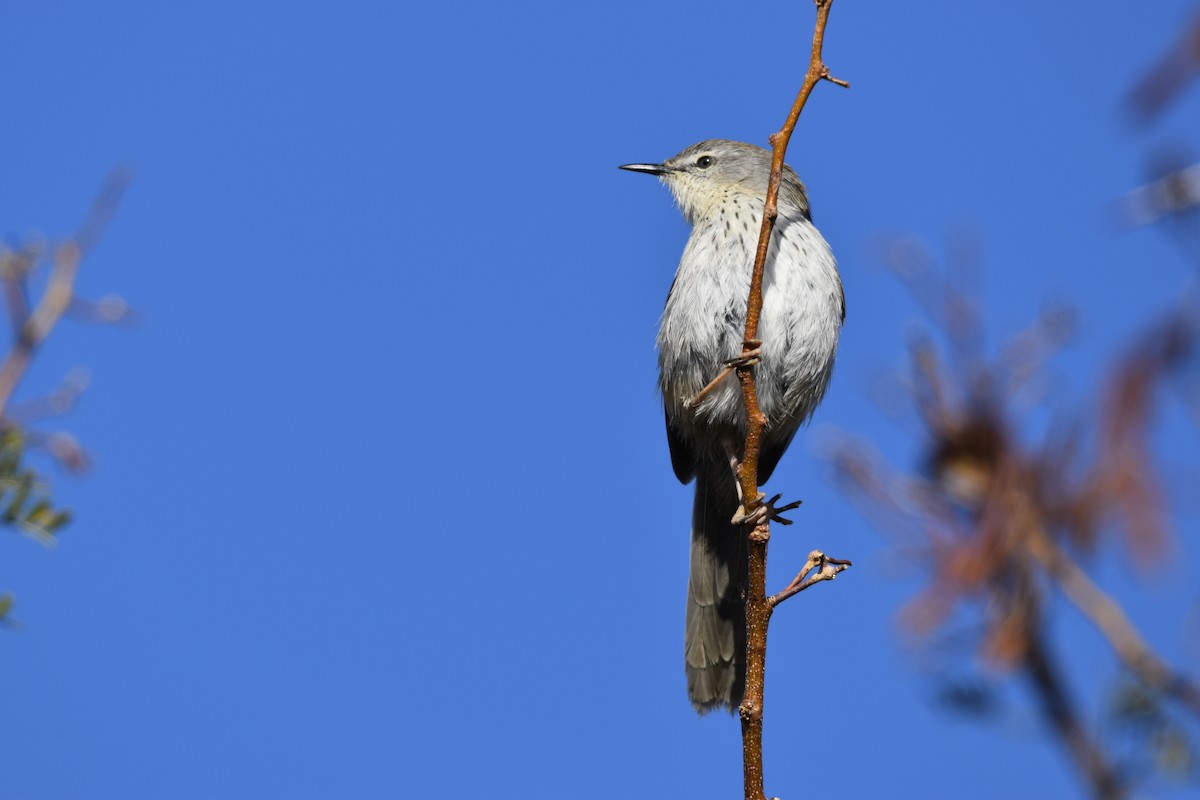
[
  {"x": 764, "y": 510},
  {"x": 751, "y": 355}
]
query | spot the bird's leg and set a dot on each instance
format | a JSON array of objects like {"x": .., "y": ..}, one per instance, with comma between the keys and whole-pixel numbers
[
  {"x": 751, "y": 355},
  {"x": 735, "y": 464},
  {"x": 764, "y": 509}
]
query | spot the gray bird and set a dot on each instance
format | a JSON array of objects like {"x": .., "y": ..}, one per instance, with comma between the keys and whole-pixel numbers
[{"x": 720, "y": 186}]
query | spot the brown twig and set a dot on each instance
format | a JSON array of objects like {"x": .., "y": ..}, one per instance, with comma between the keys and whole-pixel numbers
[
  {"x": 826, "y": 570},
  {"x": 758, "y": 605}
]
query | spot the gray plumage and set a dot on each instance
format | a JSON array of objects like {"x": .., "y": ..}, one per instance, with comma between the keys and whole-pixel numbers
[{"x": 720, "y": 187}]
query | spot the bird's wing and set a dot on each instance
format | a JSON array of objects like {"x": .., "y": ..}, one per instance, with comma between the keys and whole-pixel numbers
[{"x": 683, "y": 460}]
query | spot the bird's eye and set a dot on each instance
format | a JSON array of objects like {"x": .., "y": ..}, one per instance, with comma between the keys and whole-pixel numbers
[{"x": 704, "y": 162}]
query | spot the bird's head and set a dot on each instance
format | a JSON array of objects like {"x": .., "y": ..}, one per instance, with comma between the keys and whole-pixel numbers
[{"x": 709, "y": 173}]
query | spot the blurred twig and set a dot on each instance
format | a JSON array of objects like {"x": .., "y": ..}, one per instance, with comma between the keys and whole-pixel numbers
[
  {"x": 1169, "y": 77},
  {"x": 1111, "y": 621},
  {"x": 25, "y": 501},
  {"x": 31, "y": 329}
]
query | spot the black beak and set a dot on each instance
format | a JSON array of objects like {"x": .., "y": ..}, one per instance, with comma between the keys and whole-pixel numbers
[{"x": 650, "y": 169}]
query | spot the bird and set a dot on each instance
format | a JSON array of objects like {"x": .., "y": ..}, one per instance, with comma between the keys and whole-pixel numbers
[{"x": 720, "y": 187}]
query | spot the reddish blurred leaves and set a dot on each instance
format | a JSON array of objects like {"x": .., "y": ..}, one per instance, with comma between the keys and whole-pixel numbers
[{"x": 999, "y": 522}]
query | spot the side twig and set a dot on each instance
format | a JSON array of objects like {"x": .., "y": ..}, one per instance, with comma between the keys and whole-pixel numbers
[{"x": 826, "y": 570}]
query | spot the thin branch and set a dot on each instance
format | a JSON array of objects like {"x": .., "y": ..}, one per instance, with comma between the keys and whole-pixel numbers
[{"x": 758, "y": 607}]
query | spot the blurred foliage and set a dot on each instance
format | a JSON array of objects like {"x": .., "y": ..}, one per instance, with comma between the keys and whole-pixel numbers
[
  {"x": 1155, "y": 739},
  {"x": 24, "y": 496},
  {"x": 26, "y": 503},
  {"x": 1012, "y": 497},
  {"x": 25, "y": 500}
]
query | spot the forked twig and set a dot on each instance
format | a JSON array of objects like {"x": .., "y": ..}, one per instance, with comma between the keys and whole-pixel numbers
[{"x": 826, "y": 570}]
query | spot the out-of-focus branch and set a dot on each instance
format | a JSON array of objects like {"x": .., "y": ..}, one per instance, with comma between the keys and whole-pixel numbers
[
  {"x": 1168, "y": 79},
  {"x": 758, "y": 606},
  {"x": 38, "y": 326},
  {"x": 1028, "y": 528},
  {"x": 33, "y": 328},
  {"x": 1175, "y": 193},
  {"x": 1108, "y": 618},
  {"x": 1060, "y": 712},
  {"x": 14, "y": 268}
]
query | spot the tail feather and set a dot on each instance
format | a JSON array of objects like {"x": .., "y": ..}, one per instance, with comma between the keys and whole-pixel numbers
[{"x": 715, "y": 638}]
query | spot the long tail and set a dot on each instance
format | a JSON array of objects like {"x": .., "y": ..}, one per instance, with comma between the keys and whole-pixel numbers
[{"x": 715, "y": 641}]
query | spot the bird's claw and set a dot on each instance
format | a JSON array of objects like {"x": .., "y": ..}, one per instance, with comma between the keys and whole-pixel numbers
[
  {"x": 751, "y": 355},
  {"x": 765, "y": 510}
]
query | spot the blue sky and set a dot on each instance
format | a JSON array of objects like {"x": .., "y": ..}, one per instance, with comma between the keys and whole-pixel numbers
[{"x": 382, "y": 505}]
